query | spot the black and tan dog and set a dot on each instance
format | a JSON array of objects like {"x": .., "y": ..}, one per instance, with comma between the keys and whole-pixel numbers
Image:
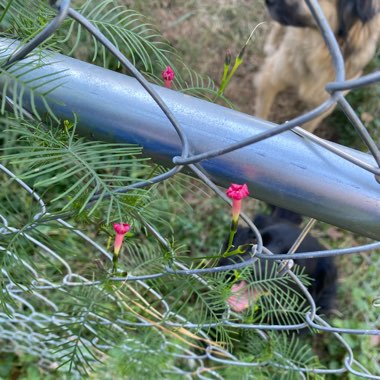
[
  {"x": 279, "y": 231},
  {"x": 298, "y": 57}
]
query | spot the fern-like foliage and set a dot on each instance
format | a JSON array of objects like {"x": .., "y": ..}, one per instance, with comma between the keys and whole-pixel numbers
[
  {"x": 190, "y": 82},
  {"x": 23, "y": 19},
  {"x": 141, "y": 356},
  {"x": 56, "y": 157},
  {"x": 128, "y": 30},
  {"x": 202, "y": 87},
  {"x": 279, "y": 299},
  {"x": 88, "y": 308},
  {"x": 280, "y": 354},
  {"x": 199, "y": 303},
  {"x": 18, "y": 93}
]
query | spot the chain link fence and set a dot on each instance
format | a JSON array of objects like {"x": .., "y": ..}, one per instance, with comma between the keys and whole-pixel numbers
[{"x": 22, "y": 326}]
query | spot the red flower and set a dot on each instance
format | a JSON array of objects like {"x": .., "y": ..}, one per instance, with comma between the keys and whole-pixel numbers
[
  {"x": 121, "y": 229},
  {"x": 168, "y": 76},
  {"x": 237, "y": 192}
]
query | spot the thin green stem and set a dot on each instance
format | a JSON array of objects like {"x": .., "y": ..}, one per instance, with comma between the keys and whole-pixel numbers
[
  {"x": 233, "y": 230},
  {"x": 115, "y": 261}
]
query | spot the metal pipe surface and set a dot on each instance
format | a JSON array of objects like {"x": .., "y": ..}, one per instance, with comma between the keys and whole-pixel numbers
[{"x": 285, "y": 170}]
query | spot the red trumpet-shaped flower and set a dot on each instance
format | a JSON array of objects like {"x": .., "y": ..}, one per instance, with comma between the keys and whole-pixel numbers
[
  {"x": 168, "y": 76},
  {"x": 121, "y": 229},
  {"x": 237, "y": 193}
]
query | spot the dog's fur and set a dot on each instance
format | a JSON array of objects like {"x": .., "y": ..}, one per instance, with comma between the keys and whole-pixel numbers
[
  {"x": 279, "y": 231},
  {"x": 298, "y": 57}
]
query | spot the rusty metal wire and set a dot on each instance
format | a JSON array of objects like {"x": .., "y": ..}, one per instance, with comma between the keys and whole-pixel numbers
[{"x": 22, "y": 330}]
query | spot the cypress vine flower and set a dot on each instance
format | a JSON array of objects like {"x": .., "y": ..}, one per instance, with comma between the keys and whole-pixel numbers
[
  {"x": 168, "y": 76},
  {"x": 237, "y": 193},
  {"x": 121, "y": 229}
]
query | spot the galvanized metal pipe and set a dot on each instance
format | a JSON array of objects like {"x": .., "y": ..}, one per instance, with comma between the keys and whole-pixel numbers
[{"x": 285, "y": 170}]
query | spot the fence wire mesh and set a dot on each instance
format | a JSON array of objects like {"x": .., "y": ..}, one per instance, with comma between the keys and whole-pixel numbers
[{"x": 22, "y": 325}]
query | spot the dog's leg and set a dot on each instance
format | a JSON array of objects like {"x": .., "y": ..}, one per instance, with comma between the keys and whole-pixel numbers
[
  {"x": 312, "y": 125},
  {"x": 268, "y": 83}
]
